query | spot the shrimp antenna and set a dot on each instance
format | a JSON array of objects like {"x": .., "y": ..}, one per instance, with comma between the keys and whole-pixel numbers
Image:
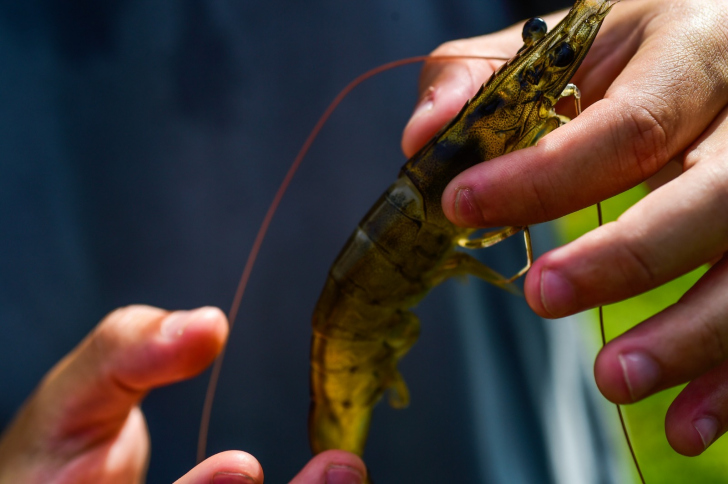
[
  {"x": 263, "y": 229},
  {"x": 619, "y": 407}
]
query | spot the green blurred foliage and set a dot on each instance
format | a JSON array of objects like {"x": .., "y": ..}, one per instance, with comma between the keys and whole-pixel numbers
[{"x": 645, "y": 420}]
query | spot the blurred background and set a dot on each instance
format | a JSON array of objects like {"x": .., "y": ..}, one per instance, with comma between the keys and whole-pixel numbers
[
  {"x": 141, "y": 144},
  {"x": 646, "y": 419}
]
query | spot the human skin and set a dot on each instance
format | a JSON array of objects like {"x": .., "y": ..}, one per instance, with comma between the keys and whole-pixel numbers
[
  {"x": 655, "y": 88},
  {"x": 83, "y": 423}
]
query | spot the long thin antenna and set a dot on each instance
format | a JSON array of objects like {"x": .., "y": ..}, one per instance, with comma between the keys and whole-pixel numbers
[
  {"x": 619, "y": 408},
  {"x": 252, "y": 256}
]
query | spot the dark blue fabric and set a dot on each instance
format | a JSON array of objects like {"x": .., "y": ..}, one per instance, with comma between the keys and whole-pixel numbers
[{"x": 141, "y": 143}]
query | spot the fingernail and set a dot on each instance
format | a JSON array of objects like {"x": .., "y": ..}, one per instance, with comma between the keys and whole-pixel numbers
[
  {"x": 557, "y": 294},
  {"x": 641, "y": 373},
  {"x": 466, "y": 208},
  {"x": 232, "y": 478},
  {"x": 707, "y": 428},
  {"x": 336, "y": 474},
  {"x": 174, "y": 325}
]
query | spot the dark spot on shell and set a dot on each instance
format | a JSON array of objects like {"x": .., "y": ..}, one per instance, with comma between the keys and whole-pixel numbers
[
  {"x": 479, "y": 111},
  {"x": 346, "y": 404},
  {"x": 490, "y": 108}
]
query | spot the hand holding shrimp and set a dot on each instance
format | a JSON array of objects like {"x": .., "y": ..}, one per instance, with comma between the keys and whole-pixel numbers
[{"x": 662, "y": 71}]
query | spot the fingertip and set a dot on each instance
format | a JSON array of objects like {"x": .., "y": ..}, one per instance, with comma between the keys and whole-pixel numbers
[
  {"x": 467, "y": 200},
  {"x": 548, "y": 291},
  {"x": 229, "y": 467},
  {"x": 206, "y": 319},
  {"x": 187, "y": 342},
  {"x": 707, "y": 428},
  {"x": 202, "y": 331},
  {"x": 144, "y": 347},
  {"x": 609, "y": 376},
  {"x": 489, "y": 194},
  {"x": 532, "y": 290},
  {"x": 699, "y": 413},
  {"x": 333, "y": 467},
  {"x": 688, "y": 432},
  {"x": 343, "y": 458}
]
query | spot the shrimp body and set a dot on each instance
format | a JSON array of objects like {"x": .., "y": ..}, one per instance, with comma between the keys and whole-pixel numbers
[{"x": 404, "y": 245}]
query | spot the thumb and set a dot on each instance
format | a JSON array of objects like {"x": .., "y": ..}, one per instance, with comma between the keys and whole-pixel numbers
[
  {"x": 230, "y": 467},
  {"x": 85, "y": 401}
]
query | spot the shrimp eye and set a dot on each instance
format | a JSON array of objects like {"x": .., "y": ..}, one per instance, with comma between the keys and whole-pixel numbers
[
  {"x": 563, "y": 55},
  {"x": 533, "y": 30}
]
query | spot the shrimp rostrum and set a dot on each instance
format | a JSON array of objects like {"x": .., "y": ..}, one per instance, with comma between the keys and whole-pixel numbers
[{"x": 404, "y": 245}]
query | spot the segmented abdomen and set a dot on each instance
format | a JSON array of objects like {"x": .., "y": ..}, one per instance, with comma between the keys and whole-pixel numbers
[{"x": 362, "y": 325}]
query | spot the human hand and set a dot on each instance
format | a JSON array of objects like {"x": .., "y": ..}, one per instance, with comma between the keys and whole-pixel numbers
[
  {"x": 83, "y": 423},
  {"x": 656, "y": 86}
]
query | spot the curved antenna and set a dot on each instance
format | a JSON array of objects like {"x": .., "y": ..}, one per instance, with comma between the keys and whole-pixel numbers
[
  {"x": 253, "y": 254},
  {"x": 619, "y": 407}
]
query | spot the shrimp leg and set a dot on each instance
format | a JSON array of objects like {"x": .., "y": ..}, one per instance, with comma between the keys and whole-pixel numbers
[
  {"x": 491, "y": 238},
  {"x": 461, "y": 264}
]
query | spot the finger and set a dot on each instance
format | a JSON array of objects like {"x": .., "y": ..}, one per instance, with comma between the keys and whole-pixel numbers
[
  {"x": 88, "y": 395},
  {"x": 673, "y": 230},
  {"x": 677, "y": 345},
  {"x": 332, "y": 466},
  {"x": 699, "y": 415},
  {"x": 231, "y": 467},
  {"x": 446, "y": 85},
  {"x": 664, "y": 98}
]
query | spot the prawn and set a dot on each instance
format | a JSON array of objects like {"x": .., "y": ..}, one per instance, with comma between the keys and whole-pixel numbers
[{"x": 404, "y": 246}]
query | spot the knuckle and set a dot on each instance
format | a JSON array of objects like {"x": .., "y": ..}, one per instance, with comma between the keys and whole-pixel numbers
[
  {"x": 717, "y": 175},
  {"x": 647, "y": 138},
  {"x": 540, "y": 195},
  {"x": 706, "y": 38},
  {"x": 712, "y": 339},
  {"x": 638, "y": 267},
  {"x": 119, "y": 332},
  {"x": 691, "y": 157},
  {"x": 708, "y": 162},
  {"x": 126, "y": 314},
  {"x": 717, "y": 181},
  {"x": 109, "y": 332}
]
